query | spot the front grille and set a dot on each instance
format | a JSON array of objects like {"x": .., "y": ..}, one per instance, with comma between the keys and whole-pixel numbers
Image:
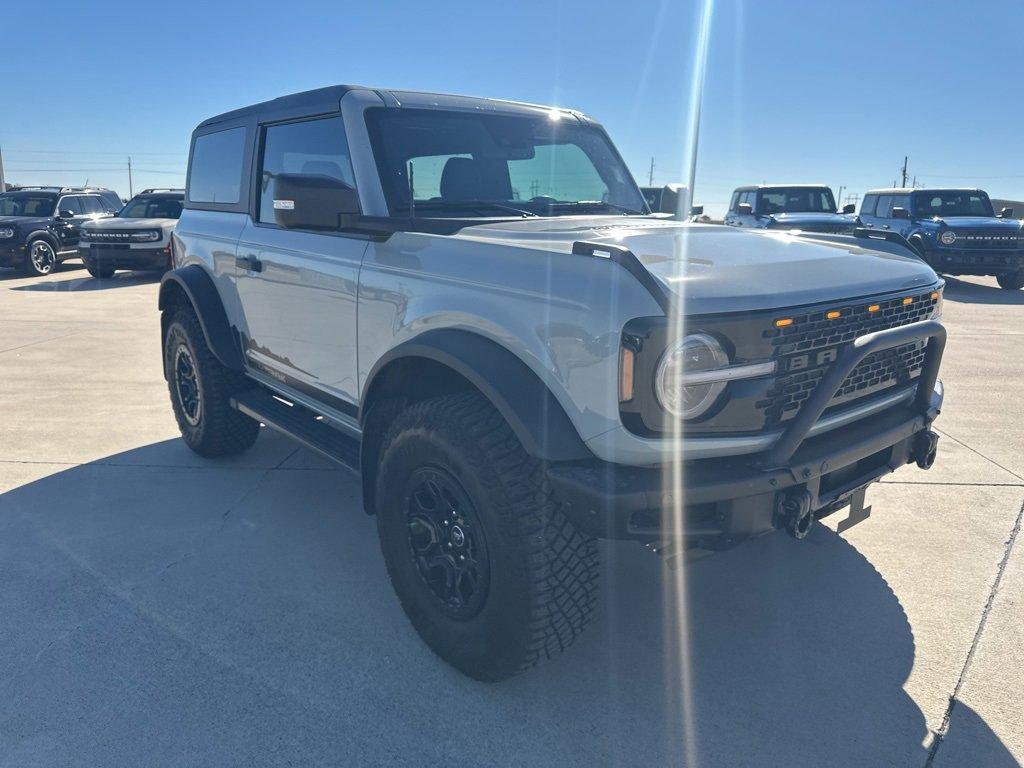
[
  {"x": 980, "y": 239},
  {"x": 806, "y": 348},
  {"x": 107, "y": 236}
]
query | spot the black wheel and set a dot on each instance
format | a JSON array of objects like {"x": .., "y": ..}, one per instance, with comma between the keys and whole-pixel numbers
[
  {"x": 201, "y": 389},
  {"x": 1012, "y": 281},
  {"x": 99, "y": 270},
  {"x": 40, "y": 257},
  {"x": 487, "y": 568}
]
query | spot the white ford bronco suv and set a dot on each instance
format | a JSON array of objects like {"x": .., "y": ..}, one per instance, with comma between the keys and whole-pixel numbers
[
  {"x": 467, "y": 302},
  {"x": 138, "y": 237}
]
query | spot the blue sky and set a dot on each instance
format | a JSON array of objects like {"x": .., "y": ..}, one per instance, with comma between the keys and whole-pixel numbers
[{"x": 796, "y": 91}]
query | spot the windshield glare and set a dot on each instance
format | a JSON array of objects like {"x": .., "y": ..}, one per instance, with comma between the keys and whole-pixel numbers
[
  {"x": 952, "y": 203},
  {"x": 797, "y": 200},
  {"x": 168, "y": 207},
  {"x": 21, "y": 204},
  {"x": 467, "y": 164}
]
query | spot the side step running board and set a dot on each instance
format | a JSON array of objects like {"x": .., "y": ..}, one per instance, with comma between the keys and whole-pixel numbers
[{"x": 301, "y": 425}]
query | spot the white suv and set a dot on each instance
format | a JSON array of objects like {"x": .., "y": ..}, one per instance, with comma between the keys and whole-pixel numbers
[{"x": 139, "y": 237}]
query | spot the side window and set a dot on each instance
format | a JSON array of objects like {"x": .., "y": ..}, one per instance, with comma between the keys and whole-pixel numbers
[
  {"x": 92, "y": 204},
  {"x": 735, "y": 201},
  {"x": 748, "y": 198},
  {"x": 73, "y": 204},
  {"x": 901, "y": 201},
  {"x": 316, "y": 147},
  {"x": 884, "y": 206},
  {"x": 867, "y": 208},
  {"x": 215, "y": 173}
]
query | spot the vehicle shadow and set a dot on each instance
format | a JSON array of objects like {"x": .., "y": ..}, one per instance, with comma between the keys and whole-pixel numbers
[
  {"x": 973, "y": 293},
  {"x": 160, "y": 609},
  {"x": 90, "y": 283}
]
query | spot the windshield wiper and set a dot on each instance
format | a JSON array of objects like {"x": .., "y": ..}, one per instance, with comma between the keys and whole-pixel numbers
[
  {"x": 475, "y": 205},
  {"x": 625, "y": 211}
]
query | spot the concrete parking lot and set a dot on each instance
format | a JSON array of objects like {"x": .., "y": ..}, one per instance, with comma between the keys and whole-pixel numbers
[{"x": 159, "y": 609}]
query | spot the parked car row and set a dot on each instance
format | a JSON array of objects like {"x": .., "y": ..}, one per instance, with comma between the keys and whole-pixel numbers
[
  {"x": 40, "y": 227},
  {"x": 956, "y": 231}
]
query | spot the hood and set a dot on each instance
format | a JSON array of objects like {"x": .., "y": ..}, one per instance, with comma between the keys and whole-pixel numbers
[
  {"x": 981, "y": 222},
  {"x": 118, "y": 223},
  {"x": 722, "y": 269},
  {"x": 785, "y": 219}
]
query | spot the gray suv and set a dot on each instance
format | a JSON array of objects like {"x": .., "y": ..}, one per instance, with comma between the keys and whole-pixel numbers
[{"x": 467, "y": 302}]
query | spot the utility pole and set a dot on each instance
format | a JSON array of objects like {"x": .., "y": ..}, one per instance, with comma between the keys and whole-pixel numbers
[
  {"x": 903, "y": 171},
  {"x": 131, "y": 194},
  {"x": 650, "y": 176},
  {"x": 3, "y": 186},
  {"x": 839, "y": 197}
]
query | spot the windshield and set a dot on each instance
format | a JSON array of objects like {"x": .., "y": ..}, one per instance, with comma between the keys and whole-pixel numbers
[
  {"x": 26, "y": 204},
  {"x": 950, "y": 203},
  {"x": 467, "y": 164},
  {"x": 164, "y": 207},
  {"x": 797, "y": 200}
]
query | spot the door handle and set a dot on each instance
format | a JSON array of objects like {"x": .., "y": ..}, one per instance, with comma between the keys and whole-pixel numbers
[{"x": 249, "y": 263}]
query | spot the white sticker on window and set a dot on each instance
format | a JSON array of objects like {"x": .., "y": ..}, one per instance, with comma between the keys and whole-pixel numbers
[{"x": 284, "y": 205}]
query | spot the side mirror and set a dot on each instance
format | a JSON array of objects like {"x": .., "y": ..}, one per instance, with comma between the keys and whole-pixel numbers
[
  {"x": 850, "y": 208},
  {"x": 66, "y": 214},
  {"x": 312, "y": 201},
  {"x": 696, "y": 210},
  {"x": 744, "y": 209},
  {"x": 1006, "y": 213},
  {"x": 900, "y": 213}
]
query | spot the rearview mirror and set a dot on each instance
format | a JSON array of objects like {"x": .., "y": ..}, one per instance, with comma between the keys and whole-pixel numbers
[
  {"x": 900, "y": 213},
  {"x": 312, "y": 201},
  {"x": 1006, "y": 213},
  {"x": 744, "y": 209},
  {"x": 850, "y": 208}
]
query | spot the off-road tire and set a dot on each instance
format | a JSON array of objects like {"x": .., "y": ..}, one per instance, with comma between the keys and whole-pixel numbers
[
  {"x": 542, "y": 572},
  {"x": 1011, "y": 281},
  {"x": 219, "y": 429},
  {"x": 99, "y": 270}
]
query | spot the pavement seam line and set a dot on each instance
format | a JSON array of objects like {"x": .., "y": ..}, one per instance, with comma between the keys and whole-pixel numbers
[
  {"x": 41, "y": 341},
  {"x": 943, "y": 730},
  {"x": 975, "y": 450}
]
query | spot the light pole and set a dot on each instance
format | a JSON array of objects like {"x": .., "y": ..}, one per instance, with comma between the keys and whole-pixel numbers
[{"x": 700, "y": 61}]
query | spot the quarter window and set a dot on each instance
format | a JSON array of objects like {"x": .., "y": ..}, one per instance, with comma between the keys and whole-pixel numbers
[
  {"x": 314, "y": 147},
  {"x": 215, "y": 175}
]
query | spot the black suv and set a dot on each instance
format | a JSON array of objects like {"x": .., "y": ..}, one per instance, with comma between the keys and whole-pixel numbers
[{"x": 39, "y": 226}]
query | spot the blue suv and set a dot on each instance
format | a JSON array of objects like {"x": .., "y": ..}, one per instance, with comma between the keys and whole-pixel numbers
[{"x": 955, "y": 230}]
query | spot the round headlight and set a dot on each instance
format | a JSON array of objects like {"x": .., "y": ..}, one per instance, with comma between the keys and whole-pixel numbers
[
  {"x": 696, "y": 352},
  {"x": 948, "y": 237}
]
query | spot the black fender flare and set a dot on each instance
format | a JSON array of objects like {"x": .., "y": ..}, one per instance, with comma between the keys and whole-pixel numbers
[
  {"x": 524, "y": 401},
  {"x": 198, "y": 287},
  {"x": 46, "y": 234}
]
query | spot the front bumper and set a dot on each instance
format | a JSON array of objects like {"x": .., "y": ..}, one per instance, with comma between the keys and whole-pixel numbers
[
  {"x": 12, "y": 255},
  {"x": 123, "y": 256},
  {"x": 718, "y": 502},
  {"x": 963, "y": 261}
]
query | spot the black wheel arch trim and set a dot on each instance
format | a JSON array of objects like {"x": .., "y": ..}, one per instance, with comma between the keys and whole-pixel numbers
[
  {"x": 198, "y": 287},
  {"x": 524, "y": 401}
]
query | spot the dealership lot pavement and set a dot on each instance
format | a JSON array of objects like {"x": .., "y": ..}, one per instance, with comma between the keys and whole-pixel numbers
[{"x": 160, "y": 609}]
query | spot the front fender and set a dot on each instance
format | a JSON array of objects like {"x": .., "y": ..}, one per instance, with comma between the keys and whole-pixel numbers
[{"x": 196, "y": 285}]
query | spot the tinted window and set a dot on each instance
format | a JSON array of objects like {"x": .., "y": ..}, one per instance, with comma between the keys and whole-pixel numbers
[
  {"x": 867, "y": 208},
  {"x": 884, "y": 206},
  {"x": 797, "y": 200},
  {"x": 153, "y": 208},
  {"x": 951, "y": 203},
  {"x": 735, "y": 201},
  {"x": 73, "y": 204},
  {"x": 215, "y": 175},
  {"x": 479, "y": 164},
  {"x": 316, "y": 147},
  {"x": 92, "y": 204},
  {"x": 26, "y": 204},
  {"x": 111, "y": 202}
]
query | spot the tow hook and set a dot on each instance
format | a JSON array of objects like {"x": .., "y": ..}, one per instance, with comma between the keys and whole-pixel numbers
[
  {"x": 926, "y": 446},
  {"x": 793, "y": 512}
]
